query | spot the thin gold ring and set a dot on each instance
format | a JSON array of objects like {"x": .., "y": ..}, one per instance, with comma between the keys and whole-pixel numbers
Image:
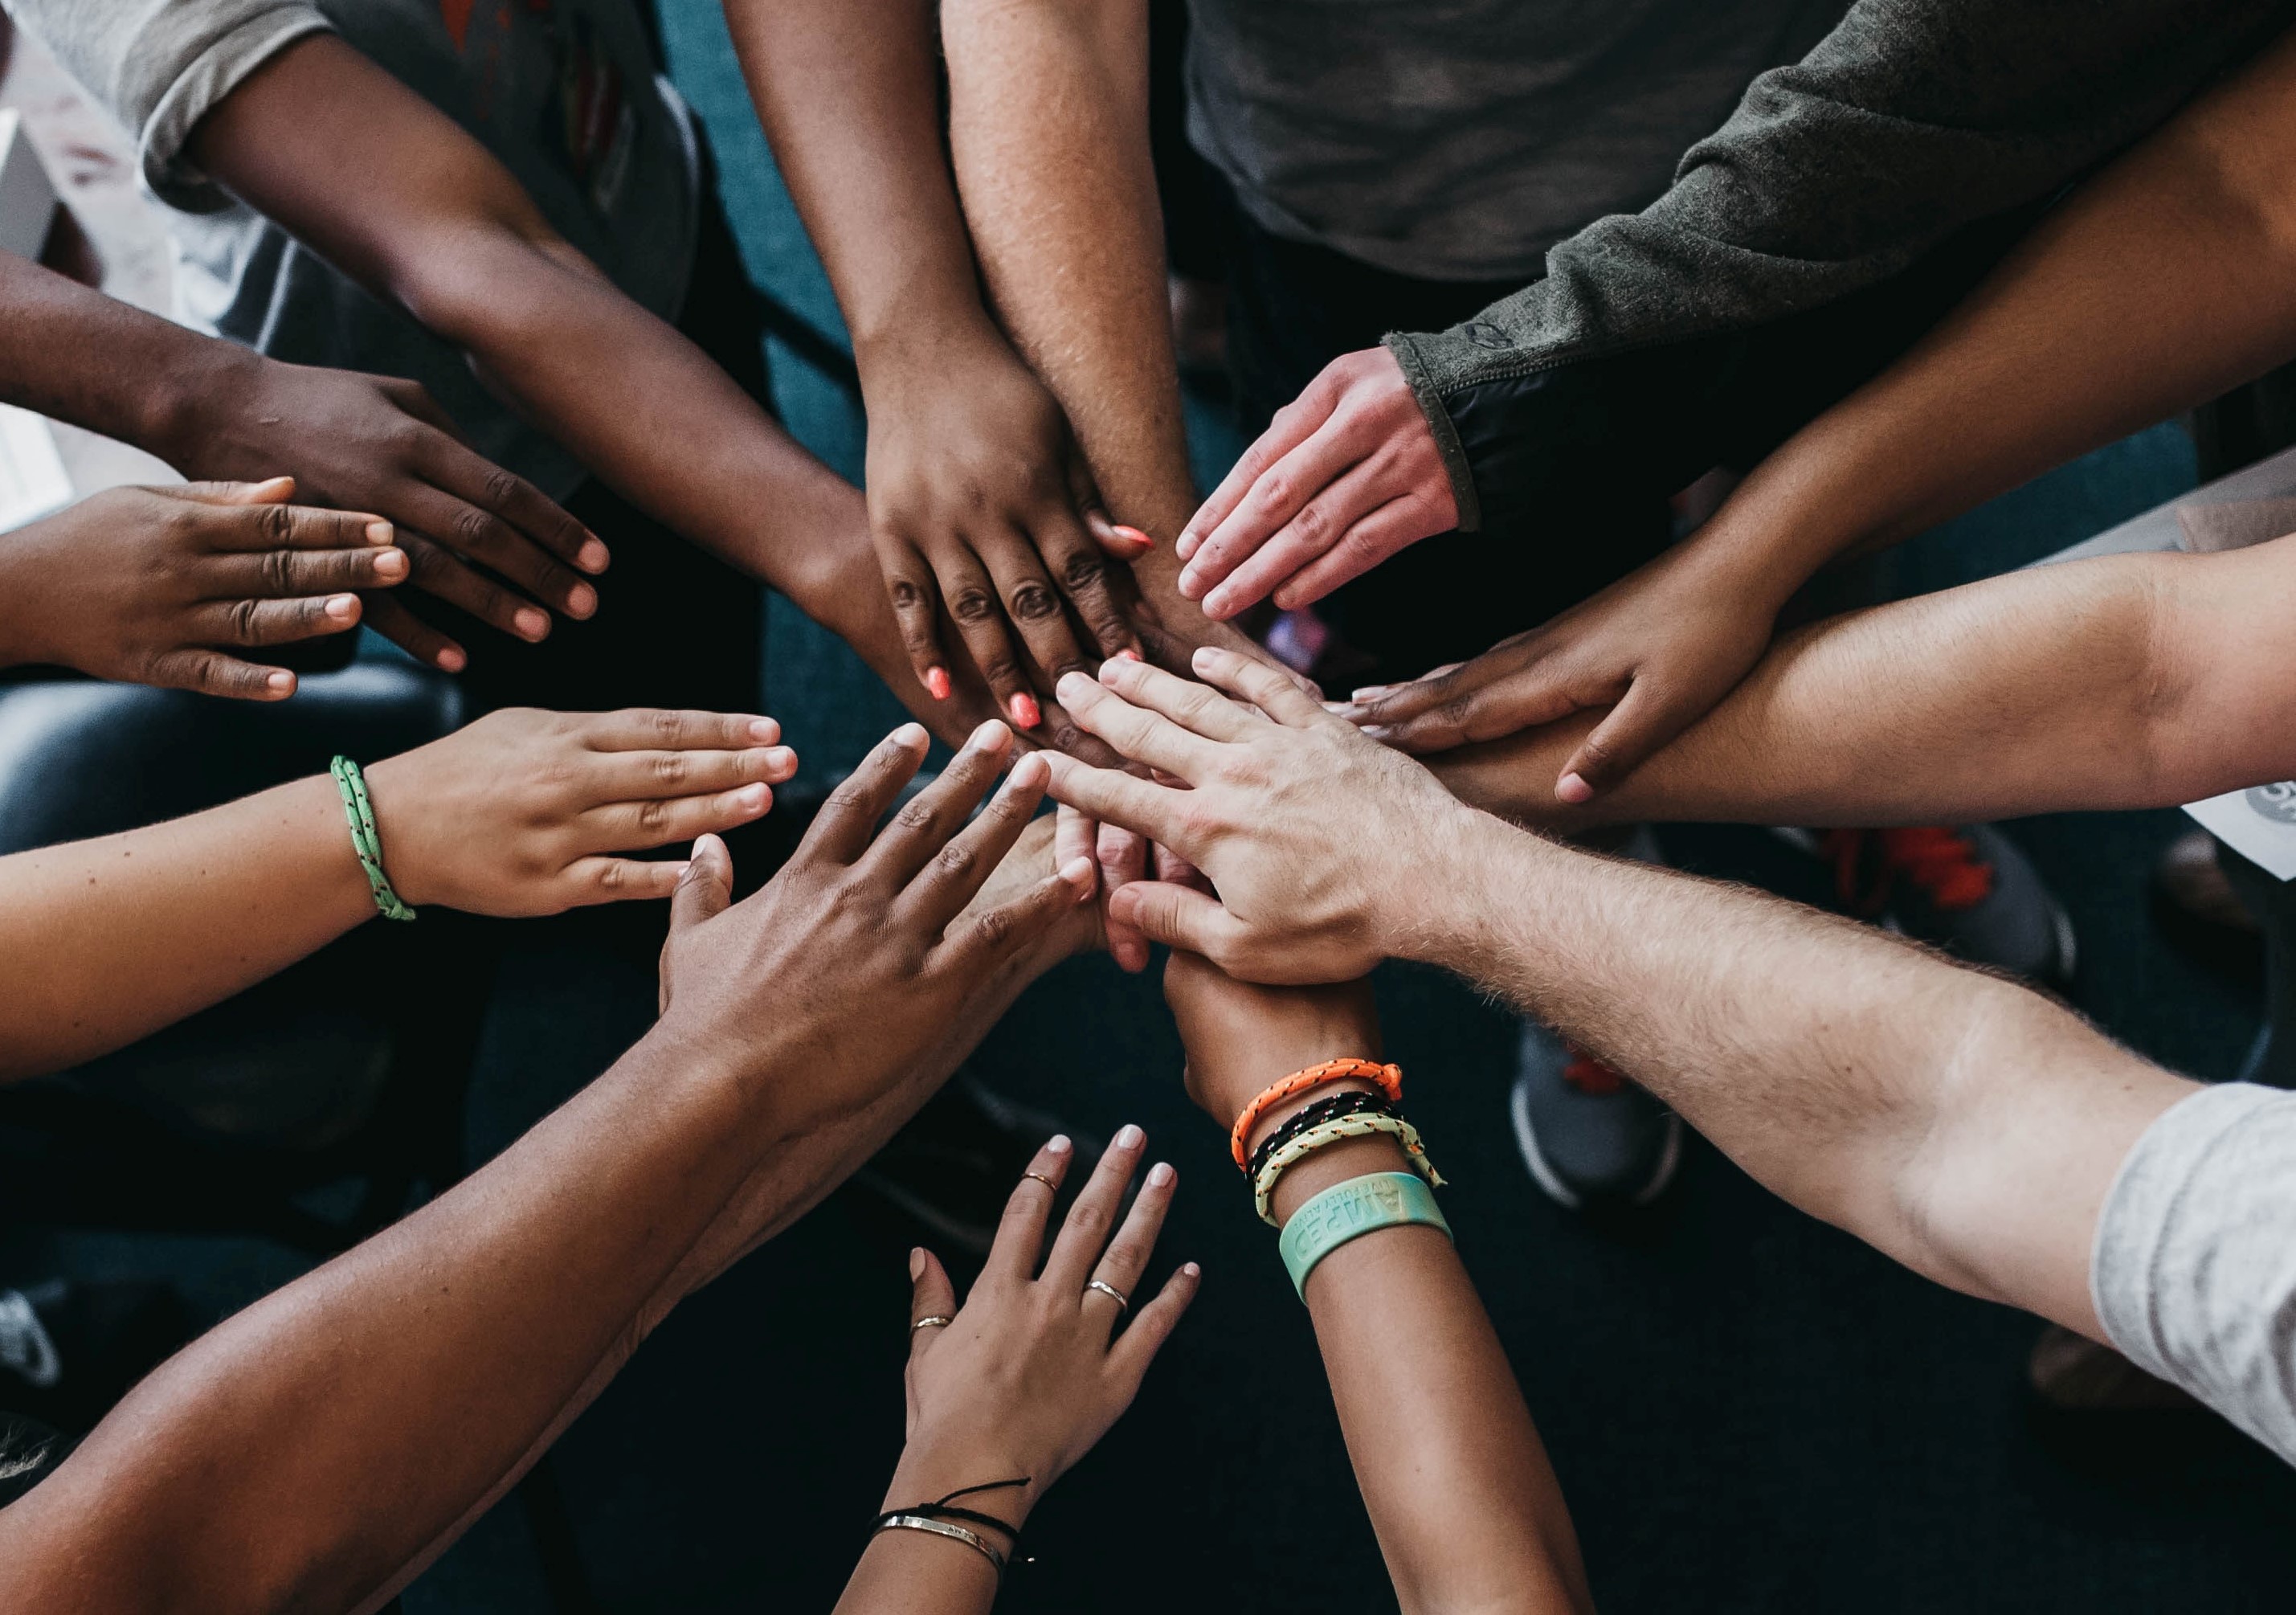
[
  {"x": 1110, "y": 1291},
  {"x": 931, "y": 1322},
  {"x": 1041, "y": 1179}
]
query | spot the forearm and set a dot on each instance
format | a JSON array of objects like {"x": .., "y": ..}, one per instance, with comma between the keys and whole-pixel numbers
[
  {"x": 1956, "y": 1122},
  {"x": 108, "y": 940},
  {"x": 357, "y": 1413},
  {"x": 1467, "y": 1510},
  {"x": 2165, "y": 280},
  {"x": 1060, "y": 192},
  {"x": 2131, "y": 681}
]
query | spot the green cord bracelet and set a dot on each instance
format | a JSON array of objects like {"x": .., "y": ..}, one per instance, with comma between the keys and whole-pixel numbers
[
  {"x": 360, "y": 813},
  {"x": 1350, "y": 1211}
]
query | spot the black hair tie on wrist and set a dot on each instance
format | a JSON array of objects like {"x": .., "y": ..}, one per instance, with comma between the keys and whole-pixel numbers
[
  {"x": 1351, "y": 1103},
  {"x": 945, "y": 1508}
]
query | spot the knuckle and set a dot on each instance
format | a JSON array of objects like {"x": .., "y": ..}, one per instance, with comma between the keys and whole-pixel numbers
[
  {"x": 669, "y": 727},
  {"x": 612, "y": 875},
  {"x": 905, "y": 595},
  {"x": 916, "y": 814},
  {"x": 1277, "y": 488},
  {"x": 671, "y": 768},
  {"x": 501, "y": 486},
  {"x": 1127, "y": 1254},
  {"x": 1082, "y": 570},
  {"x": 1033, "y": 601},
  {"x": 956, "y": 859},
  {"x": 1314, "y": 524},
  {"x": 653, "y": 817},
  {"x": 278, "y": 571},
  {"x": 475, "y": 529},
  {"x": 973, "y": 604},
  {"x": 849, "y": 797},
  {"x": 996, "y": 927},
  {"x": 244, "y": 621},
  {"x": 278, "y": 523},
  {"x": 1087, "y": 1217}
]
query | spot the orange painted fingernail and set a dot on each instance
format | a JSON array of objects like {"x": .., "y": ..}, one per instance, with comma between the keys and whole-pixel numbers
[
  {"x": 936, "y": 682},
  {"x": 1133, "y": 536},
  {"x": 1025, "y": 714}
]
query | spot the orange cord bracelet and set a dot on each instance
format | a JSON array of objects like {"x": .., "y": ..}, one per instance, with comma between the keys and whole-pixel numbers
[{"x": 1389, "y": 1078}]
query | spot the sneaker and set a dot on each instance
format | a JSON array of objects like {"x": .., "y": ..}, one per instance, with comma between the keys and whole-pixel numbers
[
  {"x": 1965, "y": 889},
  {"x": 1589, "y": 1136},
  {"x": 70, "y": 1351},
  {"x": 953, "y": 1167}
]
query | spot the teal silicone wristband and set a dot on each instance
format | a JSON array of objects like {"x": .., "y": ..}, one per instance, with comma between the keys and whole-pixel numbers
[
  {"x": 351, "y": 785},
  {"x": 1350, "y": 1211}
]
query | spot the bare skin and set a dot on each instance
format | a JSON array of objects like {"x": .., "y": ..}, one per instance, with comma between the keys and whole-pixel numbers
[
  {"x": 521, "y": 812},
  {"x": 320, "y": 1446},
  {"x": 1962, "y": 1125},
  {"x": 1466, "y": 1506}
]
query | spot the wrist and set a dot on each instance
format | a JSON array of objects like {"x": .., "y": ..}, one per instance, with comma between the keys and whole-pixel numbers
[
  {"x": 1449, "y": 925},
  {"x": 930, "y": 1468},
  {"x": 950, "y": 329},
  {"x": 22, "y": 644},
  {"x": 1332, "y": 1165},
  {"x": 175, "y": 417}
]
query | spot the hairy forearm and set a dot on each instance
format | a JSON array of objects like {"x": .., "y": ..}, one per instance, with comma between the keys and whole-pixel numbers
[
  {"x": 1956, "y": 1122},
  {"x": 2167, "y": 279},
  {"x": 108, "y": 940},
  {"x": 2126, "y": 680}
]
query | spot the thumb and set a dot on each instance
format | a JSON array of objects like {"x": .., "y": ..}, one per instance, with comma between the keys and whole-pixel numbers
[
  {"x": 706, "y": 889},
  {"x": 1117, "y": 541},
  {"x": 1636, "y": 727},
  {"x": 272, "y": 490},
  {"x": 1179, "y": 916},
  {"x": 932, "y": 1295}
]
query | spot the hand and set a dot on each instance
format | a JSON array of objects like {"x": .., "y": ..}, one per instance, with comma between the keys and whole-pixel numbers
[
  {"x": 1345, "y": 476},
  {"x": 375, "y": 443},
  {"x": 1025, "y": 1378},
  {"x": 160, "y": 585},
  {"x": 1659, "y": 647},
  {"x": 518, "y": 814},
  {"x": 1240, "y": 1038},
  {"x": 861, "y": 918},
  {"x": 1316, "y": 838},
  {"x": 980, "y": 501}
]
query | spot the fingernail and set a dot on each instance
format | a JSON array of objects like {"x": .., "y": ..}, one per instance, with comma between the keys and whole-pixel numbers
[
  {"x": 909, "y": 735},
  {"x": 1382, "y": 732},
  {"x": 752, "y": 798},
  {"x": 391, "y": 563},
  {"x": 1128, "y": 1137},
  {"x": 1184, "y": 545},
  {"x": 916, "y": 1263},
  {"x": 1127, "y": 655},
  {"x": 1132, "y": 957},
  {"x": 591, "y": 557},
  {"x": 378, "y": 532},
  {"x": 1203, "y": 658},
  {"x": 1078, "y": 870},
  {"x": 765, "y": 730},
  {"x": 452, "y": 661},
  {"x": 1191, "y": 583},
  {"x": 342, "y": 608},
  {"x": 778, "y": 757},
  {"x": 1573, "y": 790},
  {"x": 989, "y": 736},
  {"x": 1073, "y": 687},
  {"x": 937, "y": 683},
  {"x": 581, "y": 600},
  {"x": 1133, "y": 536},
  {"x": 1159, "y": 1175},
  {"x": 1216, "y": 603},
  {"x": 530, "y": 622},
  {"x": 1058, "y": 1145},
  {"x": 280, "y": 684},
  {"x": 1192, "y": 1270},
  {"x": 1023, "y": 708},
  {"x": 1369, "y": 693}
]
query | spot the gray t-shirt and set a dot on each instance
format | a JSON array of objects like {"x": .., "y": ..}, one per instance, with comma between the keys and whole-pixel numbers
[
  {"x": 562, "y": 91},
  {"x": 1459, "y": 139},
  {"x": 2193, "y": 1274}
]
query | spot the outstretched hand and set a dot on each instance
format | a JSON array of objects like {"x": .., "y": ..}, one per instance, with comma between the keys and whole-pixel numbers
[
  {"x": 184, "y": 588},
  {"x": 1344, "y": 476},
  {"x": 1659, "y": 647},
  {"x": 1308, "y": 832}
]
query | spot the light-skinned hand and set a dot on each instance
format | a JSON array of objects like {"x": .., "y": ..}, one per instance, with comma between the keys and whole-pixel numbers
[
  {"x": 1033, "y": 1369},
  {"x": 984, "y": 516},
  {"x": 183, "y": 586},
  {"x": 1308, "y": 831},
  {"x": 477, "y": 535},
  {"x": 1346, "y": 475},
  {"x": 523, "y": 812},
  {"x": 1659, "y": 647}
]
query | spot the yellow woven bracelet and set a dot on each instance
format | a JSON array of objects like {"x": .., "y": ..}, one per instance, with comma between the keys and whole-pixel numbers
[{"x": 1334, "y": 1131}]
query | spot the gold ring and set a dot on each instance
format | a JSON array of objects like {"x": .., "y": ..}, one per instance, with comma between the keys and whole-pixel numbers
[
  {"x": 1041, "y": 1179},
  {"x": 1110, "y": 1291},
  {"x": 931, "y": 1322}
]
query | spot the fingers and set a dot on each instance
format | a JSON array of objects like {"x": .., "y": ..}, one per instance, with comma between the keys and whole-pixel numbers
[
  {"x": 1156, "y": 811},
  {"x": 1126, "y": 1259},
  {"x": 510, "y": 499},
  {"x": 1034, "y": 606},
  {"x": 249, "y": 623},
  {"x": 1123, "y": 858},
  {"x": 1291, "y": 426},
  {"x": 1152, "y": 1325},
  {"x": 268, "y": 524},
  {"x": 271, "y": 490},
  {"x": 915, "y": 600},
  {"x": 625, "y": 826},
  {"x": 436, "y": 571},
  {"x": 932, "y": 1295},
  {"x": 952, "y": 877},
  {"x": 1084, "y": 577},
  {"x": 274, "y": 574},
  {"x": 983, "y": 941},
  {"x": 677, "y": 729},
  {"x": 840, "y": 831},
  {"x": 1372, "y": 538},
  {"x": 1179, "y": 916},
  {"x": 1076, "y": 1250},
  {"x": 1074, "y": 836},
  {"x": 636, "y": 776},
  {"x": 1272, "y": 690},
  {"x": 978, "y": 613},
  {"x": 1142, "y": 735},
  {"x": 587, "y": 882},
  {"x": 1021, "y": 1232},
  {"x": 1642, "y": 724},
  {"x": 213, "y": 673},
  {"x": 1471, "y": 705},
  {"x": 477, "y": 534},
  {"x": 412, "y": 634},
  {"x": 925, "y": 823},
  {"x": 705, "y": 888},
  {"x": 1194, "y": 707},
  {"x": 1284, "y": 495},
  {"x": 1320, "y": 524}
]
